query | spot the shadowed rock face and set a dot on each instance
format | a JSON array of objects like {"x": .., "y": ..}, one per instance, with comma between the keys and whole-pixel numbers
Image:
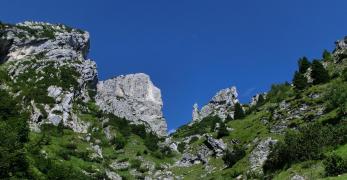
[{"x": 135, "y": 98}]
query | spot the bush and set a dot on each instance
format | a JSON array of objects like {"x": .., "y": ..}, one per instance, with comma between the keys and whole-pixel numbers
[
  {"x": 232, "y": 157},
  {"x": 181, "y": 147},
  {"x": 335, "y": 165},
  {"x": 222, "y": 131},
  {"x": 344, "y": 74},
  {"x": 135, "y": 164},
  {"x": 119, "y": 142},
  {"x": 308, "y": 143},
  {"x": 151, "y": 141},
  {"x": 139, "y": 130},
  {"x": 299, "y": 81},
  {"x": 14, "y": 132},
  {"x": 319, "y": 73},
  {"x": 336, "y": 97}
]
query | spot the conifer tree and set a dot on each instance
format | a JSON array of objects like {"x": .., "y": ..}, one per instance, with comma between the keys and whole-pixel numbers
[
  {"x": 239, "y": 113},
  {"x": 304, "y": 64},
  {"x": 319, "y": 73},
  {"x": 326, "y": 55},
  {"x": 299, "y": 81}
]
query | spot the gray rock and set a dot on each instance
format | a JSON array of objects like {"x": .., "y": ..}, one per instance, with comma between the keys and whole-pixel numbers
[
  {"x": 260, "y": 154},
  {"x": 135, "y": 98},
  {"x": 217, "y": 146},
  {"x": 297, "y": 177},
  {"x": 119, "y": 165},
  {"x": 112, "y": 175},
  {"x": 221, "y": 105},
  {"x": 66, "y": 44}
]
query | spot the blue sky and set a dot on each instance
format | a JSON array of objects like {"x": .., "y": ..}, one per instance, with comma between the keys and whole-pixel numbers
[{"x": 191, "y": 49}]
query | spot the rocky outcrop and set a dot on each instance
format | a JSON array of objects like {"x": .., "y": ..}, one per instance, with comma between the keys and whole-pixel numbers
[
  {"x": 255, "y": 99},
  {"x": 340, "y": 51},
  {"x": 221, "y": 105},
  {"x": 44, "y": 53},
  {"x": 216, "y": 145},
  {"x": 201, "y": 156},
  {"x": 135, "y": 98},
  {"x": 56, "y": 42},
  {"x": 260, "y": 154}
]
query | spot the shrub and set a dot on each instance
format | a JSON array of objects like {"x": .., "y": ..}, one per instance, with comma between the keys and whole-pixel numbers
[
  {"x": 232, "y": 157},
  {"x": 222, "y": 131},
  {"x": 181, "y": 147},
  {"x": 335, "y": 165},
  {"x": 151, "y": 141},
  {"x": 14, "y": 131},
  {"x": 119, "y": 142},
  {"x": 299, "y": 81},
  {"x": 135, "y": 164},
  {"x": 303, "y": 64},
  {"x": 319, "y": 73},
  {"x": 193, "y": 140},
  {"x": 308, "y": 143},
  {"x": 344, "y": 74},
  {"x": 139, "y": 130},
  {"x": 336, "y": 97}
]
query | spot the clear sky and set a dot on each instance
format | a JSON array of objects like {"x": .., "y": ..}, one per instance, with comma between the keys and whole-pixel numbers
[{"x": 193, "y": 48}]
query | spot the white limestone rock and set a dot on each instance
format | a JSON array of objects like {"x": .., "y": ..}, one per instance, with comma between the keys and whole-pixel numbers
[
  {"x": 260, "y": 154},
  {"x": 56, "y": 42},
  {"x": 135, "y": 98},
  {"x": 221, "y": 105}
]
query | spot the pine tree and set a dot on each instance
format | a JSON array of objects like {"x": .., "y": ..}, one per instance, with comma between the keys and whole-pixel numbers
[
  {"x": 326, "y": 55},
  {"x": 304, "y": 64},
  {"x": 299, "y": 81},
  {"x": 239, "y": 113},
  {"x": 319, "y": 73},
  {"x": 261, "y": 100}
]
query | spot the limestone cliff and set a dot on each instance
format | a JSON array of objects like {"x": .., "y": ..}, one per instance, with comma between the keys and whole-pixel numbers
[
  {"x": 53, "y": 59},
  {"x": 133, "y": 97}
]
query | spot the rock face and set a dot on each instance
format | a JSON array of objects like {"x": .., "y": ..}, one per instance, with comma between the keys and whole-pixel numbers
[
  {"x": 221, "y": 105},
  {"x": 44, "y": 50},
  {"x": 260, "y": 154},
  {"x": 43, "y": 53},
  {"x": 135, "y": 98},
  {"x": 340, "y": 51},
  {"x": 43, "y": 39}
]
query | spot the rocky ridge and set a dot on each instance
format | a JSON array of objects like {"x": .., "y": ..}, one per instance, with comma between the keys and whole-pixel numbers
[
  {"x": 40, "y": 48},
  {"x": 221, "y": 105}
]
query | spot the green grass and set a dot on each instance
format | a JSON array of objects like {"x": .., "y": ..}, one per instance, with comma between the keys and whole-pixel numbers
[
  {"x": 249, "y": 128},
  {"x": 308, "y": 169}
]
